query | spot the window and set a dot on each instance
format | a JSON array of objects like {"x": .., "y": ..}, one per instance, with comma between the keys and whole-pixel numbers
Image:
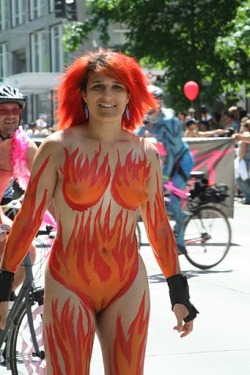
[
  {"x": 39, "y": 58},
  {"x": 37, "y": 9},
  {"x": 118, "y": 34},
  {"x": 19, "y": 61},
  {"x": 51, "y": 6},
  {"x": 56, "y": 48},
  {"x": 4, "y": 15},
  {"x": 18, "y": 12},
  {"x": 4, "y": 57}
]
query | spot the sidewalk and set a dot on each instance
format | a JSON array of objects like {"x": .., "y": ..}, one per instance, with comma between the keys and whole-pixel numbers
[{"x": 219, "y": 344}]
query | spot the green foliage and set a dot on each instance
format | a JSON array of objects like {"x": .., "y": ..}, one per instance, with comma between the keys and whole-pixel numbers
[
  {"x": 187, "y": 38},
  {"x": 234, "y": 47}
]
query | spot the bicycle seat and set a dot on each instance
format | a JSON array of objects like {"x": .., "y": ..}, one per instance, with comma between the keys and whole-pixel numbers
[{"x": 197, "y": 174}]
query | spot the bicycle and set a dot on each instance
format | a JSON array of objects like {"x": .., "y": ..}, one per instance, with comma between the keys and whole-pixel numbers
[
  {"x": 24, "y": 350},
  {"x": 207, "y": 230}
]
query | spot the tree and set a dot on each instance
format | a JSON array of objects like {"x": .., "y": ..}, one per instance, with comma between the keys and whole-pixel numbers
[
  {"x": 179, "y": 36},
  {"x": 234, "y": 47}
]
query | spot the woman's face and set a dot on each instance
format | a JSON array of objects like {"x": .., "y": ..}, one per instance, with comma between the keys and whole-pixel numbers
[{"x": 105, "y": 97}]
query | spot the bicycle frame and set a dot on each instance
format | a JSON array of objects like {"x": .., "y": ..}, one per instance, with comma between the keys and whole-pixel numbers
[{"x": 23, "y": 295}]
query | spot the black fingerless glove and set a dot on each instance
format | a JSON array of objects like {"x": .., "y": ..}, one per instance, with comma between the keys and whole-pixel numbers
[
  {"x": 6, "y": 281},
  {"x": 179, "y": 293}
]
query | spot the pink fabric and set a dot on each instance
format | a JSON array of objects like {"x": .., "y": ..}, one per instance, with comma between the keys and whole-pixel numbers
[
  {"x": 161, "y": 148},
  {"x": 18, "y": 158},
  {"x": 20, "y": 169},
  {"x": 179, "y": 192}
]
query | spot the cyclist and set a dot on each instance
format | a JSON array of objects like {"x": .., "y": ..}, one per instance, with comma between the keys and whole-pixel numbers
[
  {"x": 164, "y": 126},
  {"x": 16, "y": 155}
]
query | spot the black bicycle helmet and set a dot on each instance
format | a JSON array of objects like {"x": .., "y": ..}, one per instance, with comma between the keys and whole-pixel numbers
[{"x": 9, "y": 94}]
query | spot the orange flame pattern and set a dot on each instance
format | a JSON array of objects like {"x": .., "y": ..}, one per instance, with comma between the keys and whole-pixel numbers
[
  {"x": 62, "y": 336},
  {"x": 84, "y": 183},
  {"x": 130, "y": 348},
  {"x": 129, "y": 183},
  {"x": 24, "y": 231},
  {"x": 98, "y": 266},
  {"x": 165, "y": 256}
]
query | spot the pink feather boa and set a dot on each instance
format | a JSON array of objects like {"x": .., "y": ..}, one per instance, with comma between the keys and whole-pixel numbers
[{"x": 20, "y": 169}]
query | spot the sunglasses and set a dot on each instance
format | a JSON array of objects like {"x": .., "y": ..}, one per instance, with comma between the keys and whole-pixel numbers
[{"x": 10, "y": 112}]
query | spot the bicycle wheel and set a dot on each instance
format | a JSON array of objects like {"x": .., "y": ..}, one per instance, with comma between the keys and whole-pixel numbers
[
  {"x": 23, "y": 357},
  {"x": 207, "y": 237},
  {"x": 138, "y": 235}
]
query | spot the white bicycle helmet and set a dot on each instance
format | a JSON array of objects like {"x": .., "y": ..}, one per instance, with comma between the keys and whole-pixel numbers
[
  {"x": 156, "y": 91},
  {"x": 9, "y": 94}
]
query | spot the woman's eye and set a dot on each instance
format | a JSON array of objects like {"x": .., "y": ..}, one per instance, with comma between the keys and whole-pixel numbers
[
  {"x": 117, "y": 87},
  {"x": 97, "y": 87}
]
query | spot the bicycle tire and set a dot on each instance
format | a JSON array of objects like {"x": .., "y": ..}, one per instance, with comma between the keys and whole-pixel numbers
[
  {"x": 207, "y": 237},
  {"x": 23, "y": 359},
  {"x": 138, "y": 235}
]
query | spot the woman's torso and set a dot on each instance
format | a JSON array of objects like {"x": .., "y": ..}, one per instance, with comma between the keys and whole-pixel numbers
[{"x": 99, "y": 188}]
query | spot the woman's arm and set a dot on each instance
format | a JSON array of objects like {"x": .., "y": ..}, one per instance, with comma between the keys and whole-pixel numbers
[
  {"x": 155, "y": 218},
  {"x": 242, "y": 137},
  {"x": 164, "y": 246},
  {"x": 37, "y": 197},
  {"x": 242, "y": 150}
]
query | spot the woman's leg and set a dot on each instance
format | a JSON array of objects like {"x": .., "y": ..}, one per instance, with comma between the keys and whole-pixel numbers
[
  {"x": 244, "y": 186},
  {"x": 122, "y": 329},
  {"x": 69, "y": 329}
]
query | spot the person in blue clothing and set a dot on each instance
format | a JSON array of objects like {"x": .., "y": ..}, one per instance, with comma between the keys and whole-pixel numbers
[{"x": 163, "y": 125}]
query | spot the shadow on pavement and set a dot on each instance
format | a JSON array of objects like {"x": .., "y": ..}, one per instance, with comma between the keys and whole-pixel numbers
[{"x": 159, "y": 278}]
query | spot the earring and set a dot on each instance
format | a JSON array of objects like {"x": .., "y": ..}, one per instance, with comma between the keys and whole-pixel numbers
[
  {"x": 86, "y": 111},
  {"x": 127, "y": 114}
]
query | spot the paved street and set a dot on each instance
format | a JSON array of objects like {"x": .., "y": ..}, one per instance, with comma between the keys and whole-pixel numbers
[{"x": 220, "y": 342}]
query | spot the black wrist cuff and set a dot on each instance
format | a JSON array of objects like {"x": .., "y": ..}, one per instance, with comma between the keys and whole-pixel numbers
[
  {"x": 179, "y": 293},
  {"x": 6, "y": 281}
]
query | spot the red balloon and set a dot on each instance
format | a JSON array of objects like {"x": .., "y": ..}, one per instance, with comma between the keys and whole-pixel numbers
[{"x": 191, "y": 90}]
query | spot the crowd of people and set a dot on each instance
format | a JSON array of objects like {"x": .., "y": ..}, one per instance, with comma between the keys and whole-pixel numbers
[{"x": 233, "y": 122}]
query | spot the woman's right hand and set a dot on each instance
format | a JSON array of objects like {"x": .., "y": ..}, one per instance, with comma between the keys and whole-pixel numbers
[{"x": 3, "y": 314}]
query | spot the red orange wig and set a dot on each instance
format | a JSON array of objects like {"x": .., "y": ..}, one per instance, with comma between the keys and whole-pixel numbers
[{"x": 70, "y": 109}]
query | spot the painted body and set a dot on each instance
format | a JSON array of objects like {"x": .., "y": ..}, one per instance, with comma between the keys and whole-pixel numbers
[{"x": 100, "y": 177}]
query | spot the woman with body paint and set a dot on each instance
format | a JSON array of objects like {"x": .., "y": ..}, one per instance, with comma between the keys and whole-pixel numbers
[{"x": 101, "y": 177}]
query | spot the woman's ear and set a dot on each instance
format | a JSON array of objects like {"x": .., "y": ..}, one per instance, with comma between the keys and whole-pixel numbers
[
  {"x": 128, "y": 98},
  {"x": 83, "y": 94}
]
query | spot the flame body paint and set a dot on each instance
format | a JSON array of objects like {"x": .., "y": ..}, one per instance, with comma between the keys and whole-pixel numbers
[
  {"x": 99, "y": 262},
  {"x": 95, "y": 258}
]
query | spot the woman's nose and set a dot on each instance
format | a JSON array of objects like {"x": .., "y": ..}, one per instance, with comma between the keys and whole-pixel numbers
[{"x": 107, "y": 92}]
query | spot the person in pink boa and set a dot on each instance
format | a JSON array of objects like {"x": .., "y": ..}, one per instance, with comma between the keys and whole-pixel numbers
[{"x": 16, "y": 156}]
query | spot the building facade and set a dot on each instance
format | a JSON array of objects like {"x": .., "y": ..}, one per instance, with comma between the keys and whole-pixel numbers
[{"x": 32, "y": 57}]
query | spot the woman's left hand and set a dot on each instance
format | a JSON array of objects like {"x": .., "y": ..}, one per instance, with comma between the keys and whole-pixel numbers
[{"x": 181, "y": 312}]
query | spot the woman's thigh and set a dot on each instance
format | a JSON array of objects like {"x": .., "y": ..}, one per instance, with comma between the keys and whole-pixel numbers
[
  {"x": 123, "y": 326},
  {"x": 69, "y": 328}
]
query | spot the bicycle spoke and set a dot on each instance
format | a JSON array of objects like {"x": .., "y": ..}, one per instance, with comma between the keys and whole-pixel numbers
[
  {"x": 207, "y": 237},
  {"x": 24, "y": 359}
]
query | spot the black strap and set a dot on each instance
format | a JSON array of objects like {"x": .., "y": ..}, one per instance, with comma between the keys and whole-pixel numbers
[
  {"x": 4, "y": 138},
  {"x": 6, "y": 281},
  {"x": 179, "y": 293}
]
